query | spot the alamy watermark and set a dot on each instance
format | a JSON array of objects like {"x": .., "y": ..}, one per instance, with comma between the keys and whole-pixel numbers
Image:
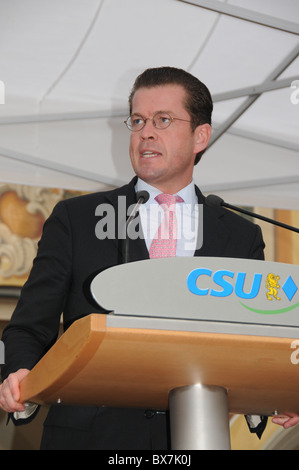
[
  {"x": 295, "y": 354},
  {"x": 112, "y": 226},
  {"x": 295, "y": 94},
  {"x": 2, "y": 353},
  {"x": 2, "y": 92}
]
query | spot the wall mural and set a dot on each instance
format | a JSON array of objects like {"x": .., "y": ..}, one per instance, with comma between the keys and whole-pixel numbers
[{"x": 23, "y": 211}]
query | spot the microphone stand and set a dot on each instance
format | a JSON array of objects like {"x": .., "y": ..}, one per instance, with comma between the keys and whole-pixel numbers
[
  {"x": 142, "y": 197},
  {"x": 212, "y": 200}
]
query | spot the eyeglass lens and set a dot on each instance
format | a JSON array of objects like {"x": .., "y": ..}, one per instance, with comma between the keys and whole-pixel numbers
[{"x": 160, "y": 121}]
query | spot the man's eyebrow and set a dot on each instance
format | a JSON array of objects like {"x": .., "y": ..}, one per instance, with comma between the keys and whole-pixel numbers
[{"x": 156, "y": 112}]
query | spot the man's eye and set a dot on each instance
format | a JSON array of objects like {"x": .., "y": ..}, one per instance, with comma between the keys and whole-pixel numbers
[
  {"x": 163, "y": 119},
  {"x": 137, "y": 121}
]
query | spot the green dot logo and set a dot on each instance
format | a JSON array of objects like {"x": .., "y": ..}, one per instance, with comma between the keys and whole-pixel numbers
[{"x": 273, "y": 285}]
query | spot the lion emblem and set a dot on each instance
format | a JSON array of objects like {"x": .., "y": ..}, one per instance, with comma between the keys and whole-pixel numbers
[{"x": 272, "y": 286}]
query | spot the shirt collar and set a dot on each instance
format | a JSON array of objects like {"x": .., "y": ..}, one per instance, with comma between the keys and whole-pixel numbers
[{"x": 187, "y": 194}]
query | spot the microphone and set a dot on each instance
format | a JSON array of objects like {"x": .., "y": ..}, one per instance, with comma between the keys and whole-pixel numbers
[
  {"x": 215, "y": 201},
  {"x": 142, "y": 197}
]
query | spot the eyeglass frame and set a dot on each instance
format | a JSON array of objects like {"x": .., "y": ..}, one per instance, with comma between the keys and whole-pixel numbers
[{"x": 152, "y": 119}]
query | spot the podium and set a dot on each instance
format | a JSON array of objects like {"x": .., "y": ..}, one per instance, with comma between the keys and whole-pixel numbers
[{"x": 209, "y": 343}]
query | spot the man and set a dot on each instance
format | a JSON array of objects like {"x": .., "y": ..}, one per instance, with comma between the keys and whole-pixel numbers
[{"x": 170, "y": 123}]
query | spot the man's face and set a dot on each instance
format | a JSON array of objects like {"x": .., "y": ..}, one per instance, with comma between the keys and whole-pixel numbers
[{"x": 164, "y": 158}]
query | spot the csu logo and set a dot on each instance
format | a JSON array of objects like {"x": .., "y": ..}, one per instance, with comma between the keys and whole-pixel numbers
[{"x": 224, "y": 283}]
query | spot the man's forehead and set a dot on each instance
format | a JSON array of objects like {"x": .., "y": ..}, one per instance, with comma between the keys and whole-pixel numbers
[{"x": 159, "y": 98}]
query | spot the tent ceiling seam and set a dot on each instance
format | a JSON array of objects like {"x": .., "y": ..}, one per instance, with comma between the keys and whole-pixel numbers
[
  {"x": 279, "y": 69},
  {"x": 246, "y": 15},
  {"x": 285, "y": 144},
  {"x": 72, "y": 116},
  {"x": 255, "y": 89},
  {"x": 47, "y": 164},
  {"x": 205, "y": 42},
  {"x": 75, "y": 55},
  {"x": 250, "y": 184}
]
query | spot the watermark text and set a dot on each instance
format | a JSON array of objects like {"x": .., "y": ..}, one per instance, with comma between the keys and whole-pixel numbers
[
  {"x": 2, "y": 92},
  {"x": 295, "y": 94},
  {"x": 295, "y": 354},
  {"x": 112, "y": 223},
  {"x": 2, "y": 353}
]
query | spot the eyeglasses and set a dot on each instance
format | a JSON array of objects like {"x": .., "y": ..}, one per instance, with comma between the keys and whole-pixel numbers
[{"x": 160, "y": 120}]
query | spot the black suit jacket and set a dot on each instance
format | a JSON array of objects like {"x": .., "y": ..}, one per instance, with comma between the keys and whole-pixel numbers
[{"x": 70, "y": 254}]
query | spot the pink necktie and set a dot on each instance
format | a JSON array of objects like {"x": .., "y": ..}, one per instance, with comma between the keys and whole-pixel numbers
[{"x": 165, "y": 241}]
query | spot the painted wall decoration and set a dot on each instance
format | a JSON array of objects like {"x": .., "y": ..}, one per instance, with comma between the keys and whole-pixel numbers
[{"x": 23, "y": 211}]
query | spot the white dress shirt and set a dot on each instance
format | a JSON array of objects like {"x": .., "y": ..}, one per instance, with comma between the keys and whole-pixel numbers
[{"x": 151, "y": 215}]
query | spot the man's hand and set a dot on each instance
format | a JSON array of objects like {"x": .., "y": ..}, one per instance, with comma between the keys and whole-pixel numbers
[
  {"x": 287, "y": 420},
  {"x": 10, "y": 392}
]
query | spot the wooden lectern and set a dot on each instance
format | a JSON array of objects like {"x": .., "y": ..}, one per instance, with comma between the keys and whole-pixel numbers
[{"x": 229, "y": 350}]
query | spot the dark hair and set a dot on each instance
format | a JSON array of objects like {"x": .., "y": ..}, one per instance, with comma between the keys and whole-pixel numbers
[{"x": 199, "y": 102}]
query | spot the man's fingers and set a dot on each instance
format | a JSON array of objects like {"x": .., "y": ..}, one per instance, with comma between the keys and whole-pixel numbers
[
  {"x": 7, "y": 401},
  {"x": 10, "y": 392},
  {"x": 280, "y": 420},
  {"x": 286, "y": 421}
]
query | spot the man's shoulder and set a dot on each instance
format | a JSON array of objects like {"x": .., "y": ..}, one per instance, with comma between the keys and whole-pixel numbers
[
  {"x": 232, "y": 220},
  {"x": 100, "y": 197},
  {"x": 228, "y": 217}
]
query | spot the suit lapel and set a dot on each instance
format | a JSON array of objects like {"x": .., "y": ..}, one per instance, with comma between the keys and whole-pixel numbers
[
  {"x": 122, "y": 199},
  {"x": 215, "y": 233}
]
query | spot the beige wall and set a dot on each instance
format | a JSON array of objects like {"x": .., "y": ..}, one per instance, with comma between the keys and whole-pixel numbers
[{"x": 281, "y": 246}]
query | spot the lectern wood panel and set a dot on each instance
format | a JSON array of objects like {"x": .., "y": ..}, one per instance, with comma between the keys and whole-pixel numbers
[{"x": 98, "y": 365}]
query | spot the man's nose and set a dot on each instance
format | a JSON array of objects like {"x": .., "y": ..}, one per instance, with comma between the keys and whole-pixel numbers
[{"x": 149, "y": 130}]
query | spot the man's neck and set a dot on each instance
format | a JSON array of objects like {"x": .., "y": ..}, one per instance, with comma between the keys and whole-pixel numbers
[{"x": 141, "y": 184}]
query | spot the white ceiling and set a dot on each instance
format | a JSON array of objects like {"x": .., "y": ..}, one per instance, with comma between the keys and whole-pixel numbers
[{"x": 68, "y": 67}]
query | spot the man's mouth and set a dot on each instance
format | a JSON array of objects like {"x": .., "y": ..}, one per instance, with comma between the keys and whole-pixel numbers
[{"x": 150, "y": 154}]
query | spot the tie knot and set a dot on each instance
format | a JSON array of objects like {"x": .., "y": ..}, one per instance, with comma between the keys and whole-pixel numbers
[{"x": 168, "y": 199}]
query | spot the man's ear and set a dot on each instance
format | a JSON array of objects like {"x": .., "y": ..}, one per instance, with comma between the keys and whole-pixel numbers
[{"x": 202, "y": 137}]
